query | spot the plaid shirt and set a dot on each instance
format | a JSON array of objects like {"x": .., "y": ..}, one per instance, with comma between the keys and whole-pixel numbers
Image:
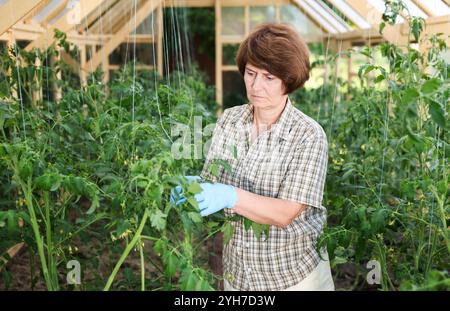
[{"x": 288, "y": 162}]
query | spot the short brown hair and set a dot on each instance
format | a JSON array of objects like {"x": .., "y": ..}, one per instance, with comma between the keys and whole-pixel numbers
[{"x": 280, "y": 50}]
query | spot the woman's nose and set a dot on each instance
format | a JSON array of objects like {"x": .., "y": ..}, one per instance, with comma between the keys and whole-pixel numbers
[{"x": 257, "y": 83}]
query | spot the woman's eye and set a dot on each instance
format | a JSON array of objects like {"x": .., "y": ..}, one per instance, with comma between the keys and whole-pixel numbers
[{"x": 269, "y": 78}]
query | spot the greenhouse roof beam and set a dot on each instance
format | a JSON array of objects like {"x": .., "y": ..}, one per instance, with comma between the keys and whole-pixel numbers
[
  {"x": 100, "y": 12},
  {"x": 434, "y": 7},
  {"x": 350, "y": 13},
  {"x": 421, "y": 5},
  {"x": 227, "y": 3},
  {"x": 338, "y": 23},
  {"x": 414, "y": 10},
  {"x": 65, "y": 22},
  {"x": 50, "y": 11},
  {"x": 27, "y": 19},
  {"x": 103, "y": 24},
  {"x": 143, "y": 12},
  {"x": 13, "y": 11},
  {"x": 316, "y": 17},
  {"x": 51, "y": 18}
]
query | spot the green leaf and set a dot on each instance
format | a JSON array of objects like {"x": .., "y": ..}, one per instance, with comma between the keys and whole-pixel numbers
[
  {"x": 195, "y": 217},
  {"x": 158, "y": 219},
  {"x": 378, "y": 220},
  {"x": 75, "y": 185},
  {"x": 194, "y": 188},
  {"x": 11, "y": 222},
  {"x": 257, "y": 229},
  {"x": 381, "y": 28},
  {"x": 171, "y": 263},
  {"x": 331, "y": 246},
  {"x": 368, "y": 69},
  {"x": 214, "y": 169},
  {"x": 188, "y": 280},
  {"x": 155, "y": 193},
  {"x": 25, "y": 169},
  {"x": 206, "y": 286},
  {"x": 199, "y": 285},
  {"x": 193, "y": 202},
  {"x": 48, "y": 182},
  {"x": 437, "y": 113},
  {"x": 187, "y": 222},
  {"x": 94, "y": 205},
  {"x": 415, "y": 138},
  {"x": 160, "y": 247},
  {"x": 442, "y": 186},
  {"x": 228, "y": 231},
  {"x": 431, "y": 86},
  {"x": 379, "y": 78},
  {"x": 191, "y": 281},
  {"x": 339, "y": 260},
  {"x": 410, "y": 95},
  {"x": 123, "y": 226},
  {"x": 7, "y": 278},
  {"x": 203, "y": 285},
  {"x": 417, "y": 25},
  {"x": 247, "y": 224},
  {"x": 365, "y": 69},
  {"x": 142, "y": 183},
  {"x": 348, "y": 173},
  {"x": 407, "y": 188}
]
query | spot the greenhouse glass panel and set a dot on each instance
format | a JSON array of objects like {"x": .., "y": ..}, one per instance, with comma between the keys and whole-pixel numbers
[
  {"x": 437, "y": 7},
  {"x": 307, "y": 29},
  {"x": 414, "y": 10},
  {"x": 233, "y": 21},
  {"x": 261, "y": 14},
  {"x": 149, "y": 25}
]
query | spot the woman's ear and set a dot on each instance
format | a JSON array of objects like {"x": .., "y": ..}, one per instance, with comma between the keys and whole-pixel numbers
[{"x": 284, "y": 88}]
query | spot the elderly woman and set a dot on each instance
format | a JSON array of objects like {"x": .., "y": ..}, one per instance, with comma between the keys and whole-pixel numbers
[{"x": 278, "y": 158}]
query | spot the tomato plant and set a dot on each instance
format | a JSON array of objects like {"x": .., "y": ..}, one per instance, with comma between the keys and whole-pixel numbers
[
  {"x": 387, "y": 183},
  {"x": 103, "y": 158}
]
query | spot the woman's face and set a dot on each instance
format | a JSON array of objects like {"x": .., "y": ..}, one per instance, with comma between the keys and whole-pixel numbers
[{"x": 264, "y": 90}]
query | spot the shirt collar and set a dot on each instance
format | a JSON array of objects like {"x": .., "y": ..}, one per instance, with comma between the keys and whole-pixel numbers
[{"x": 281, "y": 128}]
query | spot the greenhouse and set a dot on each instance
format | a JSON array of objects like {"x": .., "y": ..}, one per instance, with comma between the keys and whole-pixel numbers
[{"x": 207, "y": 145}]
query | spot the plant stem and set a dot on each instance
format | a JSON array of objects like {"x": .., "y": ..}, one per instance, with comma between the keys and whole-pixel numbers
[
  {"x": 48, "y": 229},
  {"x": 382, "y": 256},
  {"x": 40, "y": 245},
  {"x": 127, "y": 250},
  {"x": 443, "y": 217},
  {"x": 141, "y": 252}
]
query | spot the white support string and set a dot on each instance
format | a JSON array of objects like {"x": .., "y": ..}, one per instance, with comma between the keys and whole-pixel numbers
[
  {"x": 155, "y": 64},
  {"x": 134, "y": 78}
]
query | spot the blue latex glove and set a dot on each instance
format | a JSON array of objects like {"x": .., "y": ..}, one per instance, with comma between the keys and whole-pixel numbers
[
  {"x": 176, "y": 194},
  {"x": 215, "y": 197}
]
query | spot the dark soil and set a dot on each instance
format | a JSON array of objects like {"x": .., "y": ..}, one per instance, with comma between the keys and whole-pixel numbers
[{"x": 96, "y": 271}]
